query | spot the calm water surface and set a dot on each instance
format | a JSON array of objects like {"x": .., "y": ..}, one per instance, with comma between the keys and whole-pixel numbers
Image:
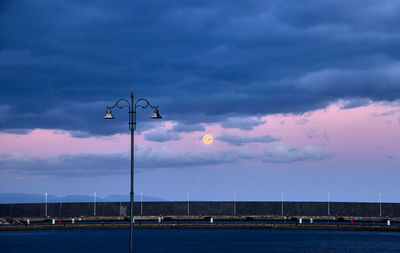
[{"x": 198, "y": 240}]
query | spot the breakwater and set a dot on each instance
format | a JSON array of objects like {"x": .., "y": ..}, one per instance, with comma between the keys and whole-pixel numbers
[{"x": 205, "y": 208}]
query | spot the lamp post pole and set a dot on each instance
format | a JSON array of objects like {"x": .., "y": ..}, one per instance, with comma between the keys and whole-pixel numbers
[
  {"x": 45, "y": 213},
  {"x": 132, "y": 106},
  {"x": 234, "y": 203},
  {"x": 188, "y": 203},
  {"x": 141, "y": 203},
  {"x": 94, "y": 204},
  {"x": 132, "y": 128},
  {"x": 329, "y": 211}
]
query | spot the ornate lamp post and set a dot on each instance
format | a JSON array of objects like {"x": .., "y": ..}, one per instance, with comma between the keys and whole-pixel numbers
[{"x": 132, "y": 106}]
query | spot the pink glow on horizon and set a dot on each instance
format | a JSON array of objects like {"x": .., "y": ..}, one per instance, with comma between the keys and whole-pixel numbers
[
  {"x": 346, "y": 131},
  {"x": 48, "y": 143},
  {"x": 356, "y": 136},
  {"x": 353, "y": 134}
]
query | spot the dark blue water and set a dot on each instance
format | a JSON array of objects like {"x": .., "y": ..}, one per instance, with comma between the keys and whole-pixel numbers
[{"x": 198, "y": 240}]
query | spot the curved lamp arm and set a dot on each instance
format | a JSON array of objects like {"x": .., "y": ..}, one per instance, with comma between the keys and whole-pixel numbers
[
  {"x": 128, "y": 105},
  {"x": 123, "y": 103},
  {"x": 109, "y": 115},
  {"x": 147, "y": 104}
]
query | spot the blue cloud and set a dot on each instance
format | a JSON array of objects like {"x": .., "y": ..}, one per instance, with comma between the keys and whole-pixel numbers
[
  {"x": 246, "y": 123},
  {"x": 391, "y": 157},
  {"x": 237, "y": 140},
  {"x": 105, "y": 164},
  {"x": 282, "y": 152},
  {"x": 353, "y": 103},
  {"x": 161, "y": 135},
  {"x": 179, "y": 127},
  {"x": 200, "y": 61},
  {"x": 385, "y": 114},
  {"x": 302, "y": 121}
]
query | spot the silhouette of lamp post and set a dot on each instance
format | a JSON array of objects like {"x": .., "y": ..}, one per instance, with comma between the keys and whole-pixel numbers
[{"x": 132, "y": 106}]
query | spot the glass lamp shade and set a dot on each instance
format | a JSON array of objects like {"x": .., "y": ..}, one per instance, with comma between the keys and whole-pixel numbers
[
  {"x": 156, "y": 114},
  {"x": 108, "y": 114}
]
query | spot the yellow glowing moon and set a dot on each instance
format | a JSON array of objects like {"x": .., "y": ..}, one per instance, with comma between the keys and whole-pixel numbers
[{"x": 207, "y": 139}]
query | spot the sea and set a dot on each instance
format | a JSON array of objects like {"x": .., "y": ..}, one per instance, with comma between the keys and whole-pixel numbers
[{"x": 198, "y": 241}]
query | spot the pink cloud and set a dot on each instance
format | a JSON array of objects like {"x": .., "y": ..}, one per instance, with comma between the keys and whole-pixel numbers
[
  {"x": 359, "y": 134},
  {"x": 47, "y": 143}
]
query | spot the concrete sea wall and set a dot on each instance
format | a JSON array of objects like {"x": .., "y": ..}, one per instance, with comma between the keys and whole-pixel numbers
[{"x": 202, "y": 208}]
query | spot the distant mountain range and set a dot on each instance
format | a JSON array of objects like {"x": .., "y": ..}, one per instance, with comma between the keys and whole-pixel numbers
[{"x": 8, "y": 198}]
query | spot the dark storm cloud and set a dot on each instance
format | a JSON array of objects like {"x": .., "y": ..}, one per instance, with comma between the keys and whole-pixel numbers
[{"x": 61, "y": 62}]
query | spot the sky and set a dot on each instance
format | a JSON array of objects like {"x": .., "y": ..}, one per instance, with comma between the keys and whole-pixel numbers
[{"x": 301, "y": 97}]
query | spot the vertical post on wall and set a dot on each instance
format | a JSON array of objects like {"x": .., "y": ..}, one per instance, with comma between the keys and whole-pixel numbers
[
  {"x": 380, "y": 204},
  {"x": 234, "y": 203},
  {"x": 329, "y": 196},
  {"x": 282, "y": 204},
  {"x": 45, "y": 210},
  {"x": 141, "y": 203},
  {"x": 94, "y": 204},
  {"x": 188, "y": 203}
]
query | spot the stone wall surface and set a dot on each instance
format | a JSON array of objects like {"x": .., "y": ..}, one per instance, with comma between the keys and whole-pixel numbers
[{"x": 201, "y": 208}]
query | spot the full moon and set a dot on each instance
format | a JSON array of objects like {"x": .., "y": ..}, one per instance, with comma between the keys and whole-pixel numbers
[{"x": 207, "y": 139}]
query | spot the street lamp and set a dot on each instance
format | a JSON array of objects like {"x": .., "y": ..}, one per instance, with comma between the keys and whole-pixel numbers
[{"x": 132, "y": 106}]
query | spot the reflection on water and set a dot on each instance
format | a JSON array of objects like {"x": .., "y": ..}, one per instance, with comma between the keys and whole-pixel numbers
[{"x": 199, "y": 240}]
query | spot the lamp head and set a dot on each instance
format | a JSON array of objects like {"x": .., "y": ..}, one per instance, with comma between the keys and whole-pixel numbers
[
  {"x": 108, "y": 114},
  {"x": 156, "y": 114}
]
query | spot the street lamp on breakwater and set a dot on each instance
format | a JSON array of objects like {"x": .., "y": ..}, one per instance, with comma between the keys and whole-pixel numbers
[
  {"x": 45, "y": 210},
  {"x": 132, "y": 106}
]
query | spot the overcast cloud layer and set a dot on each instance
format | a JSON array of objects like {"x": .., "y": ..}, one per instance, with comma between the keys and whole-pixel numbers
[{"x": 62, "y": 62}]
